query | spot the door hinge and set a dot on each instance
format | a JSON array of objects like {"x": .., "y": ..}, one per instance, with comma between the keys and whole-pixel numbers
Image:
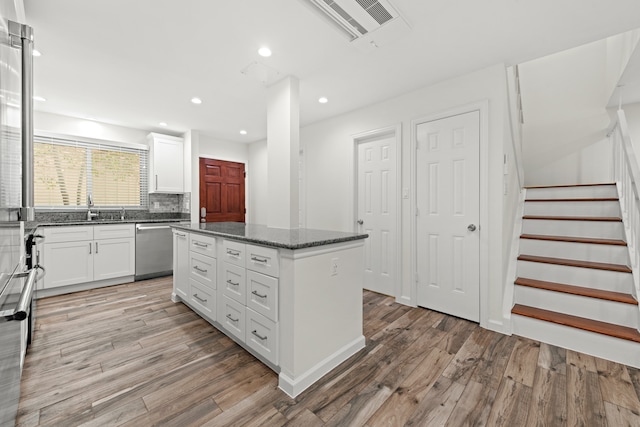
[{"x": 245, "y": 174}]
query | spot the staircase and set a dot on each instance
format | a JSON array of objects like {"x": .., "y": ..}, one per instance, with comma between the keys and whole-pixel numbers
[{"x": 574, "y": 286}]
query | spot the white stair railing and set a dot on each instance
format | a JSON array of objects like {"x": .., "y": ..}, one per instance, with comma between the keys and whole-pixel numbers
[{"x": 626, "y": 172}]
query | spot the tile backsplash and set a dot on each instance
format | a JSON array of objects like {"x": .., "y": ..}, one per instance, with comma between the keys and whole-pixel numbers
[{"x": 169, "y": 202}]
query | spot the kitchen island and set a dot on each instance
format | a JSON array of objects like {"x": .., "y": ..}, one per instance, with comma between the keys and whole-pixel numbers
[{"x": 291, "y": 297}]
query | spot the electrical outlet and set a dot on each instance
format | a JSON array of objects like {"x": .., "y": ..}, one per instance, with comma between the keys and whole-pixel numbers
[{"x": 334, "y": 266}]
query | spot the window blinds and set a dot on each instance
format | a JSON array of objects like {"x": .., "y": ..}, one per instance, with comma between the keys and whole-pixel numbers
[{"x": 67, "y": 170}]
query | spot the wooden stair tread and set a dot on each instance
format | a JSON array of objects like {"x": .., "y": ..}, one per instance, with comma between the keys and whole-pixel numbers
[
  {"x": 590, "y": 325},
  {"x": 575, "y": 218},
  {"x": 576, "y": 263},
  {"x": 596, "y": 241},
  {"x": 593, "y": 199},
  {"x": 569, "y": 185},
  {"x": 577, "y": 290}
]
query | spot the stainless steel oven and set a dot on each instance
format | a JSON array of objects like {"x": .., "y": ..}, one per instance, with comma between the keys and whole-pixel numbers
[{"x": 17, "y": 286}]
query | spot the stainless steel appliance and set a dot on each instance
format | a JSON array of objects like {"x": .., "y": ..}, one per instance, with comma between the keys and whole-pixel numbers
[
  {"x": 154, "y": 250},
  {"x": 16, "y": 205}
]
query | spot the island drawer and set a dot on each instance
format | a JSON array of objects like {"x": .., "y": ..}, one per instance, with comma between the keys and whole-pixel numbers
[
  {"x": 262, "y": 336},
  {"x": 234, "y": 282},
  {"x": 262, "y": 294},
  {"x": 263, "y": 260},
  {"x": 233, "y": 252},
  {"x": 203, "y": 269},
  {"x": 205, "y": 245},
  {"x": 203, "y": 298},
  {"x": 232, "y": 317}
]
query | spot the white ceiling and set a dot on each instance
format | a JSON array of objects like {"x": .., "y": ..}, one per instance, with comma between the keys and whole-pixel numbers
[{"x": 136, "y": 63}]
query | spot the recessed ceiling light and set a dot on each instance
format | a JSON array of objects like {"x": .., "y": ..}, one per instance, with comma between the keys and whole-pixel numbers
[
  {"x": 323, "y": 100},
  {"x": 162, "y": 123},
  {"x": 196, "y": 100},
  {"x": 243, "y": 132},
  {"x": 36, "y": 53},
  {"x": 39, "y": 98},
  {"x": 264, "y": 51}
]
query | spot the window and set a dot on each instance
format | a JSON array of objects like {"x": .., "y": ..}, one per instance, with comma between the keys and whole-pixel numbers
[{"x": 66, "y": 170}]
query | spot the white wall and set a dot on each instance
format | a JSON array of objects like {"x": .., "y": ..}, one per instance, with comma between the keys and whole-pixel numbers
[
  {"x": 632, "y": 113},
  {"x": 256, "y": 179},
  {"x": 565, "y": 121},
  {"x": 66, "y": 125},
  {"x": 330, "y": 165}
]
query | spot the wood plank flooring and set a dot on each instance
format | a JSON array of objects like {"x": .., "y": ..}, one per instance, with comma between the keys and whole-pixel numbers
[{"x": 127, "y": 356}]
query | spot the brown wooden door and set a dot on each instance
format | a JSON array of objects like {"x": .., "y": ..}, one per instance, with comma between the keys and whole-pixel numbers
[{"x": 222, "y": 190}]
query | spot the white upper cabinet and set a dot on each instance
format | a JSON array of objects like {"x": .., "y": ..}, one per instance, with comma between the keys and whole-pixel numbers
[{"x": 166, "y": 164}]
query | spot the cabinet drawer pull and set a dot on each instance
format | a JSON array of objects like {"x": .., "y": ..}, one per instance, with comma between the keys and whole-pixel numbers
[
  {"x": 258, "y": 295},
  {"x": 231, "y": 318},
  {"x": 202, "y": 245},
  {"x": 195, "y": 267},
  {"x": 255, "y": 332},
  {"x": 180, "y": 234},
  {"x": 198, "y": 298},
  {"x": 233, "y": 284},
  {"x": 233, "y": 253},
  {"x": 96, "y": 247},
  {"x": 262, "y": 260}
]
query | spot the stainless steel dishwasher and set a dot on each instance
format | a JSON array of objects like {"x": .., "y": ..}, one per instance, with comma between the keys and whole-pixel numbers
[{"x": 154, "y": 250}]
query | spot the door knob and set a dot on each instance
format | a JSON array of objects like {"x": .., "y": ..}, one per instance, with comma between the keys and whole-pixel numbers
[
  {"x": 360, "y": 222},
  {"x": 471, "y": 227}
]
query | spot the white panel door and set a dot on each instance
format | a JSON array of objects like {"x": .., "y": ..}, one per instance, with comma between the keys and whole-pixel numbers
[
  {"x": 377, "y": 212},
  {"x": 448, "y": 201}
]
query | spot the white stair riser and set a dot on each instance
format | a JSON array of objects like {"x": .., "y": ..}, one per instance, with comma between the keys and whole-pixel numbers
[
  {"x": 579, "y": 251},
  {"x": 597, "y": 209},
  {"x": 586, "y": 192},
  {"x": 594, "y": 229},
  {"x": 577, "y": 305},
  {"x": 586, "y": 277},
  {"x": 598, "y": 345}
]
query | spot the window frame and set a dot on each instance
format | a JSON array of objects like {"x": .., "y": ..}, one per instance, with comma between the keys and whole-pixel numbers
[{"x": 98, "y": 144}]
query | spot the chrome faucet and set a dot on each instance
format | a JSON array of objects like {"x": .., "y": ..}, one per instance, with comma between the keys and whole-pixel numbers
[
  {"x": 122, "y": 212},
  {"x": 90, "y": 215}
]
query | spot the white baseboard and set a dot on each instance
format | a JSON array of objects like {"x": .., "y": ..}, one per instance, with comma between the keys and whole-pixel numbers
[
  {"x": 49, "y": 292},
  {"x": 294, "y": 386}
]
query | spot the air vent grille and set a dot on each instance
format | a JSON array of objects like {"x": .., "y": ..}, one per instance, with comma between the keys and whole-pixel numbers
[
  {"x": 359, "y": 19},
  {"x": 376, "y": 10},
  {"x": 344, "y": 15}
]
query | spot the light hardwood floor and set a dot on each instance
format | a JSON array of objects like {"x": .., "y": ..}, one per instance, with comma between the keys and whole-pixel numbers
[{"x": 127, "y": 355}]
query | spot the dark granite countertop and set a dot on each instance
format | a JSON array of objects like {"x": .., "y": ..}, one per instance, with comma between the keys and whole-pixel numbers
[
  {"x": 295, "y": 238},
  {"x": 30, "y": 226}
]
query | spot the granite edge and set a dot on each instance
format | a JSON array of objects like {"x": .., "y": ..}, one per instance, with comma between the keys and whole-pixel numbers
[{"x": 270, "y": 243}]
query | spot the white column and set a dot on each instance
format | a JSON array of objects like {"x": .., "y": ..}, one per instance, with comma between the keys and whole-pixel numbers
[{"x": 283, "y": 150}]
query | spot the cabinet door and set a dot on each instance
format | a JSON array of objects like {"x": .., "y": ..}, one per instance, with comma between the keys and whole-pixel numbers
[
  {"x": 167, "y": 169},
  {"x": 113, "y": 258},
  {"x": 181, "y": 264},
  {"x": 68, "y": 263}
]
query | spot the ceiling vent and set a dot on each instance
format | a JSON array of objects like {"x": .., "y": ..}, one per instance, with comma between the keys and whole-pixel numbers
[{"x": 361, "y": 19}]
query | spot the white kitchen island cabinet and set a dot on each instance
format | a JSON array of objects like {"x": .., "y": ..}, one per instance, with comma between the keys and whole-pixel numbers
[{"x": 292, "y": 298}]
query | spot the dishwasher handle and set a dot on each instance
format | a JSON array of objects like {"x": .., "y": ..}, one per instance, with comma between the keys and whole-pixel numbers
[{"x": 142, "y": 227}]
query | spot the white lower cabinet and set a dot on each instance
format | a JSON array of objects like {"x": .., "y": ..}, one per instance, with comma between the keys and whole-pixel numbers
[
  {"x": 181, "y": 265},
  {"x": 83, "y": 254},
  {"x": 236, "y": 295},
  {"x": 195, "y": 273}
]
